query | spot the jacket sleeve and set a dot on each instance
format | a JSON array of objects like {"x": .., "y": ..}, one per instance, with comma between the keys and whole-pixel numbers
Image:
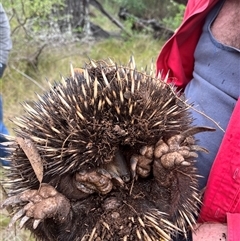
[
  {"x": 233, "y": 229},
  {"x": 5, "y": 38},
  {"x": 222, "y": 195},
  {"x": 177, "y": 55}
]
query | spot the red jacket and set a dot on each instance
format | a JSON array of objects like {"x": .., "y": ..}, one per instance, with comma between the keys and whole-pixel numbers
[{"x": 222, "y": 196}]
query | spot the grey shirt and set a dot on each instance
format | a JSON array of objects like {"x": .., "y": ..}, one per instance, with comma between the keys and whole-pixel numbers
[
  {"x": 5, "y": 38},
  {"x": 214, "y": 89}
]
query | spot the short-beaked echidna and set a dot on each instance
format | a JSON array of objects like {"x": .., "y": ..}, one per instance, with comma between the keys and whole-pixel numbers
[{"x": 106, "y": 154}]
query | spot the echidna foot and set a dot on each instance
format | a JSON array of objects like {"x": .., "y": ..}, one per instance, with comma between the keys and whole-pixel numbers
[
  {"x": 43, "y": 203},
  {"x": 140, "y": 166},
  {"x": 173, "y": 159},
  {"x": 94, "y": 181},
  {"x": 178, "y": 150},
  {"x": 174, "y": 152},
  {"x": 102, "y": 179}
]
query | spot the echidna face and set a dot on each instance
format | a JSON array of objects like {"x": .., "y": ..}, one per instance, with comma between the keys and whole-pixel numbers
[{"x": 118, "y": 144}]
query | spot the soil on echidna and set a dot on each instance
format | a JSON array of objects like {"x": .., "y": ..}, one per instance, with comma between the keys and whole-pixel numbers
[
  {"x": 124, "y": 213},
  {"x": 139, "y": 210}
]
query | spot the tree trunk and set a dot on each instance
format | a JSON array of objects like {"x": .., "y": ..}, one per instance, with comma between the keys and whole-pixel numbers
[{"x": 181, "y": 1}]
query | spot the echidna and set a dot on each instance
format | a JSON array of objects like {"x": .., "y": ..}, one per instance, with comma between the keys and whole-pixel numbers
[{"x": 106, "y": 154}]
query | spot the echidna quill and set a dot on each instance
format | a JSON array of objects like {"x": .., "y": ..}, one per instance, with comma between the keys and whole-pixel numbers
[{"x": 106, "y": 154}]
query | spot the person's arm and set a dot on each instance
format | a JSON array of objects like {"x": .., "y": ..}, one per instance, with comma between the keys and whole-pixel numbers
[
  {"x": 5, "y": 39},
  {"x": 210, "y": 232},
  {"x": 221, "y": 203}
]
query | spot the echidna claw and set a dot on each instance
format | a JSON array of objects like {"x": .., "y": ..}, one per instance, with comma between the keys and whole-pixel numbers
[
  {"x": 175, "y": 141},
  {"x": 196, "y": 129},
  {"x": 23, "y": 221},
  {"x": 187, "y": 153},
  {"x": 118, "y": 179},
  {"x": 16, "y": 217},
  {"x": 84, "y": 188},
  {"x": 36, "y": 223},
  {"x": 185, "y": 163},
  {"x": 11, "y": 201},
  {"x": 111, "y": 175}
]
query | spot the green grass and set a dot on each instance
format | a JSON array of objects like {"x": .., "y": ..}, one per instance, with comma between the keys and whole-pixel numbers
[
  {"x": 6, "y": 233},
  {"x": 54, "y": 62}
]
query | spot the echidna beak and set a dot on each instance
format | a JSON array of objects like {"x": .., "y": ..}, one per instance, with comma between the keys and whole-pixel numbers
[{"x": 118, "y": 169}]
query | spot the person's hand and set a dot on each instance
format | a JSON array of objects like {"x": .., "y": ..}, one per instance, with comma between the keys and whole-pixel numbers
[{"x": 210, "y": 232}]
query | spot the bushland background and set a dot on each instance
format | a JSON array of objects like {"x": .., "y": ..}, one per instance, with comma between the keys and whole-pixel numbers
[{"x": 49, "y": 35}]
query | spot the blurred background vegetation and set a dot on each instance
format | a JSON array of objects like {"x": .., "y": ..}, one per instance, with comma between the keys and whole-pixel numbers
[{"x": 49, "y": 35}]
